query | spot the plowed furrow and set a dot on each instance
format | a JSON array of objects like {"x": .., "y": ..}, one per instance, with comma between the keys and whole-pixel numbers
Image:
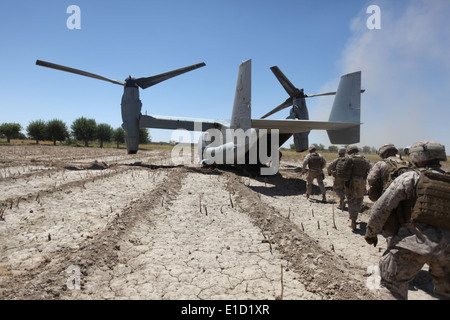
[
  {"x": 320, "y": 270},
  {"x": 74, "y": 226}
]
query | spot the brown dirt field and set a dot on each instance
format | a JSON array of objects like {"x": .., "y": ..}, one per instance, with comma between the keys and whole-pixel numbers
[{"x": 89, "y": 223}]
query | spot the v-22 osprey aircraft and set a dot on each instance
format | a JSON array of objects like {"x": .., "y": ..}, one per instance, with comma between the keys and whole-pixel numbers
[{"x": 343, "y": 126}]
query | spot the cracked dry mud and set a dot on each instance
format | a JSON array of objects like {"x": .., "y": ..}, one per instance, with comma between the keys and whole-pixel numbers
[{"x": 84, "y": 223}]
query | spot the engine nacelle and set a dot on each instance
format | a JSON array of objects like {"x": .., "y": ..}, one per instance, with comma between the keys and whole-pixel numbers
[
  {"x": 301, "y": 141},
  {"x": 131, "y": 112}
]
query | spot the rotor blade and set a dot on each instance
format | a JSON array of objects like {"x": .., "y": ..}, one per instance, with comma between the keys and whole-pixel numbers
[
  {"x": 320, "y": 94},
  {"x": 76, "y": 71},
  {"x": 287, "y": 85},
  {"x": 282, "y": 106},
  {"x": 151, "y": 81},
  {"x": 325, "y": 94}
]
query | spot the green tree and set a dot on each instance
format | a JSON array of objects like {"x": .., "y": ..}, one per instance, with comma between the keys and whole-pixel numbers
[
  {"x": 104, "y": 133},
  {"x": 10, "y": 130},
  {"x": 119, "y": 136},
  {"x": 57, "y": 131},
  {"x": 319, "y": 146},
  {"x": 366, "y": 149},
  {"x": 144, "y": 136},
  {"x": 333, "y": 149},
  {"x": 37, "y": 130},
  {"x": 84, "y": 129}
]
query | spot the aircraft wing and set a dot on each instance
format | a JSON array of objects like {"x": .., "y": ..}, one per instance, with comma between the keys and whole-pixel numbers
[
  {"x": 173, "y": 123},
  {"x": 296, "y": 126},
  {"x": 199, "y": 124}
]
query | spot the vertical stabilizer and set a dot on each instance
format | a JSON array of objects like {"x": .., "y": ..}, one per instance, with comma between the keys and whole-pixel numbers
[
  {"x": 347, "y": 108},
  {"x": 242, "y": 110}
]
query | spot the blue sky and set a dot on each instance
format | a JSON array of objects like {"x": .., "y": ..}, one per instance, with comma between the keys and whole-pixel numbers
[{"x": 405, "y": 65}]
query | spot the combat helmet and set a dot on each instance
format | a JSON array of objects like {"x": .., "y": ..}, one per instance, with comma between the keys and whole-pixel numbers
[
  {"x": 427, "y": 151},
  {"x": 386, "y": 147},
  {"x": 341, "y": 151},
  {"x": 353, "y": 148},
  {"x": 312, "y": 148}
]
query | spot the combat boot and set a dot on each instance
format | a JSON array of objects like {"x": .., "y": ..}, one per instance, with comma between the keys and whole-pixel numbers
[
  {"x": 324, "y": 198},
  {"x": 353, "y": 224}
]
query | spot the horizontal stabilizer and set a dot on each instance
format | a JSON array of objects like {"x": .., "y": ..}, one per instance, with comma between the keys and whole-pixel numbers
[{"x": 295, "y": 126}]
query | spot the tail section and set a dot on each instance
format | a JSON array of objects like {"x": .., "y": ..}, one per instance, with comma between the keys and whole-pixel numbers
[
  {"x": 347, "y": 108},
  {"x": 242, "y": 110}
]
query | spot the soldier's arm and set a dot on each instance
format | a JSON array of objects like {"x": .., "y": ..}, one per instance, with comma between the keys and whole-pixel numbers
[
  {"x": 369, "y": 165},
  {"x": 400, "y": 189},
  {"x": 374, "y": 173},
  {"x": 305, "y": 163},
  {"x": 324, "y": 162},
  {"x": 332, "y": 166}
]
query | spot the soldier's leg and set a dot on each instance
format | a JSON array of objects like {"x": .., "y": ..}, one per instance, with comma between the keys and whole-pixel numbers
[
  {"x": 338, "y": 188},
  {"x": 358, "y": 189},
  {"x": 321, "y": 186},
  {"x": 398, "y": 267},
  {"x": 440, "y": 272},
  {"x": 309, "y": 181},
  {"x": 354, "y": 205}
]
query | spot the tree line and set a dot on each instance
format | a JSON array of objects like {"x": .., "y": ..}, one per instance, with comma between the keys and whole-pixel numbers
[{"x": 82, "y": 129}]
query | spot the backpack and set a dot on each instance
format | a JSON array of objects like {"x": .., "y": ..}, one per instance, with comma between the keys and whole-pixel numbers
[
  {"x": 395, "y": 169},
  {"x": 359, "y": 166},
  {"x": 432, "y": 205},
  {"x": 344, "y": 167},
  {"x": 402, "y": 213}
]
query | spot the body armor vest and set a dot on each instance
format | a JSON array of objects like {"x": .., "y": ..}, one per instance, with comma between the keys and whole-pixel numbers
[
  {"x": 344, "y": 168},
  {"x": 315, "y": 161},
  {"x": 359, "y": 166},
  {"x": 432, "y": 205}
]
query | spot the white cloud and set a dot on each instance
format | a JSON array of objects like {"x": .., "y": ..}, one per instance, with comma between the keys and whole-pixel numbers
[{"x": 405, "y": 71}]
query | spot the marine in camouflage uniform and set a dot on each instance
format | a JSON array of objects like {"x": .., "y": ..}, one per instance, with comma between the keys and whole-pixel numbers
[
  {"x": 415, "y": 243},
  {"x": 379, "y": 174},
  {"x": 315, "y": 163},
  {"x": 355, "y": 188},
  {"x": 338, "y": 186}
]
